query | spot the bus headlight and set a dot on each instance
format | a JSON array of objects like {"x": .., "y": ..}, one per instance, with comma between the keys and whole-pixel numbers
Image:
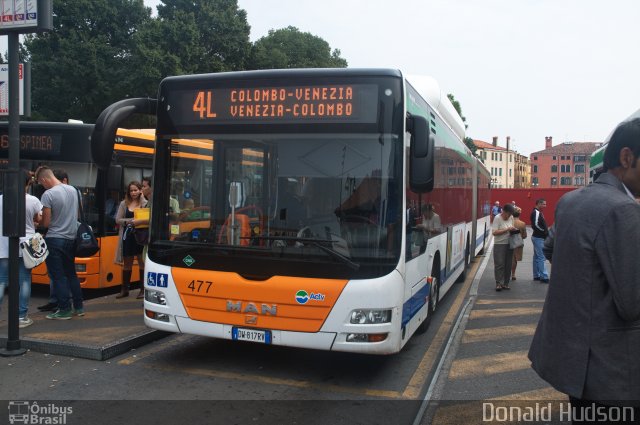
[
  {"x": 81, "y": 268},
  {"x": 366, "y": 337},
  {"x": 366, "y": 317},
  {"x": 155, "y": 297}
]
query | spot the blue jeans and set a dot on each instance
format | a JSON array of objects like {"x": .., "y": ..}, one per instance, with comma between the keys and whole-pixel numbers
[
  {"x": 24, "y": 280},
  {"x": 539, "y": 269},
  {"x": 62, "y": 271}
]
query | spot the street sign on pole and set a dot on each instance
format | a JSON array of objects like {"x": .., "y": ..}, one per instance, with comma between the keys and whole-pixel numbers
[
  {"x": 4, "y": 88},
  {"x": 17, "y": 17},
  {"x": 25, "y": 16}
]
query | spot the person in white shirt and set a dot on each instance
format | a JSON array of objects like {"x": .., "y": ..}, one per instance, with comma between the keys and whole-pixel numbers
[
  {"x": 33, "y": 214},
  {"x": 502, "y": 227},
  {"x": 431, "y": 224}
]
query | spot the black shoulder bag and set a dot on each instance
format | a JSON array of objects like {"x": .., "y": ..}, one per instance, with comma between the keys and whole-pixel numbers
[{"x": 86, "y": 242}]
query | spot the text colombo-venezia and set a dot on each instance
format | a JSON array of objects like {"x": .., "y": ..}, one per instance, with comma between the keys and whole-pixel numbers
[{"x": 299, "y": 94}]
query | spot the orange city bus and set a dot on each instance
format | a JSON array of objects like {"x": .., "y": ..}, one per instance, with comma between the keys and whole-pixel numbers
[
  {"x": 67, "y": 146},
  {"x": 330, "y": 209}
]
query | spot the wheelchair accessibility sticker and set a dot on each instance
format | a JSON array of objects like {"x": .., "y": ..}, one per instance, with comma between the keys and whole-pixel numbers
[{"x": 160, "y": 280}]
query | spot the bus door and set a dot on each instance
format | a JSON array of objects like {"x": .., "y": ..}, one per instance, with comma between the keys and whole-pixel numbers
[{"x": 455, "y": 246}]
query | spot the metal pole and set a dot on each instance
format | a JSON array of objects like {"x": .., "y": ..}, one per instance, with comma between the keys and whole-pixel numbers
[{"x": 13, "y": 339}]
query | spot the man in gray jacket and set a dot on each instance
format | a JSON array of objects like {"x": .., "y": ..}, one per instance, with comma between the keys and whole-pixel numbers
[{"x": 587, "y": 343}]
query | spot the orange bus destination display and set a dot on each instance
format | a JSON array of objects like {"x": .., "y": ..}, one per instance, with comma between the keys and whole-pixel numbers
[{"x": 330, "y": 103}]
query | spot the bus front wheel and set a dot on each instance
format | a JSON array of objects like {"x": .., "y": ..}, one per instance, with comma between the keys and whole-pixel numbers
[{"x": 434, "y": 296}]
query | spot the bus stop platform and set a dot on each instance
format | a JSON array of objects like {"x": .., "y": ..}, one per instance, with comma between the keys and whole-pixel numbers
[
  {"x": 487, "y": 368},
  {"x": 109, "y": 328}
]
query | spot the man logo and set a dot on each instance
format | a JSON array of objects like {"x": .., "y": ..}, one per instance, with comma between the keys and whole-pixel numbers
[
  {"x": 250, "y": 320},
  {"x": 252, "y": 308}
]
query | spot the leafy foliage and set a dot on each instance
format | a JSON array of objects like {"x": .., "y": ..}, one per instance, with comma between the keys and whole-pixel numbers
[
  {"x": 102, "y": 51},
  {"x": 472, "y": 146},
  {"x": 291, "y": 48},
  {"x": 467, "y": 140},
  {"x": 190, "y": 38},
  {"x": 85, "y": 63}
]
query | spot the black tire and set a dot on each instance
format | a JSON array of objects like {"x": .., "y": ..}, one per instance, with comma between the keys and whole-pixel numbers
[
  {"x": 484, "y": 241},
  {"x": 467, "y": 261},
  {"x": 432, "y": 305}
]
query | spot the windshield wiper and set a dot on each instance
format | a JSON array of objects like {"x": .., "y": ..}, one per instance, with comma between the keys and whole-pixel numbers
[
  {"x": 166, "y": 249},
  {"x": 318, "y": 243}
]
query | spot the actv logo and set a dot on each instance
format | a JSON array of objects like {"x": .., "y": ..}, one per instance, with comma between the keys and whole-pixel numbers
[{"x": 302, "y": 297}]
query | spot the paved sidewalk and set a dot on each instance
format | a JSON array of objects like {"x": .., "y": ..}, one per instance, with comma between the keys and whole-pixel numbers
[
  {"x": 109, "y": 327},
  {"x": 488, "y": 362}
]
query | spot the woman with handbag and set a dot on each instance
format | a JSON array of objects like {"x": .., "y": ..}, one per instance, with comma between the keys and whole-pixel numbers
[
  {"x": 517, "y": 252},
  {"x": 128, "y": 247},
  {"x": 502, "y": 228}
]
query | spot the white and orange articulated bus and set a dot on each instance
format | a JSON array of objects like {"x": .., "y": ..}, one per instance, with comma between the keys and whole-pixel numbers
[{"x": 327, "y": 208}]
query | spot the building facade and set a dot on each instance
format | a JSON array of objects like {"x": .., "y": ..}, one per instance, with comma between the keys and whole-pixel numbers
[
  {"x": 521, "y": 172},
  {"x": 561, "y": 166},
  {"x": 505, "y": 165}
]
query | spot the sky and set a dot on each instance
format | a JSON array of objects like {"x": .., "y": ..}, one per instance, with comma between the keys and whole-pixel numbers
[{"x": 527, "y": 69}]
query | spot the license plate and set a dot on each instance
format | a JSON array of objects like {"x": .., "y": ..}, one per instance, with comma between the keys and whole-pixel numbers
[{"x": 251, "y": 335}]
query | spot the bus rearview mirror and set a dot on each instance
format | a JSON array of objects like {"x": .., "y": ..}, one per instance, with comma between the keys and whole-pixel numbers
[
  {"x": 421, "y": 174},
  {"x": 419, "y": 128}
]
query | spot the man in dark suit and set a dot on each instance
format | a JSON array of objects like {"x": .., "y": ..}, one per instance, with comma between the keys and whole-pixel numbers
[{"x": 587, "y": 343}]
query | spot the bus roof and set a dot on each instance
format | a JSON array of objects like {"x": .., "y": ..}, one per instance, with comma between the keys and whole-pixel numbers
[
  {"x": 292, "y": 73},
  {"x": 430, "y": 90}
]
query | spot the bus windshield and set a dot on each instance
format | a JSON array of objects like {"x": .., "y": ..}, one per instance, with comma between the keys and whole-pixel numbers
[{"x": 285, "y": 204}]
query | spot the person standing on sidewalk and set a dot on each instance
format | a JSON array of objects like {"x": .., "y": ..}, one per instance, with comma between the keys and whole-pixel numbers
[
  {"x": 33, "y": 214},
  {"x": 517, "y": 253},
  {"x": 128, "y": 247},
  {"x": 60, "y": 217},
  {"x": 52, "y": 305},
  {"x": 502, "y": 227},
  {"x": 496, "y": 209},
  {"x": 587, "y": 341},
  {"x": 147, "y": 192},
  {"x": 540, "y": 232}
]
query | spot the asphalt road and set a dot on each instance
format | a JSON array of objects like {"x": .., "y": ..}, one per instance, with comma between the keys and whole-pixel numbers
[{"x": 191, "y": 379}]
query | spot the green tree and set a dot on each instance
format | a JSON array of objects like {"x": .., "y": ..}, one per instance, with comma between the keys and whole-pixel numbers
[
  {"x": 190, "y": 38},
  {"x": 84, "y": 64},
  {"x": 467, "y": 140},
  {"x": 291, "y": 48}
]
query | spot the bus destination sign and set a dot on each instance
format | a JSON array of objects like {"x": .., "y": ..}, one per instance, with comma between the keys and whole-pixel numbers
[
  {"x": 35, "y": 144},
  {"x": 355, "y": 103}
]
